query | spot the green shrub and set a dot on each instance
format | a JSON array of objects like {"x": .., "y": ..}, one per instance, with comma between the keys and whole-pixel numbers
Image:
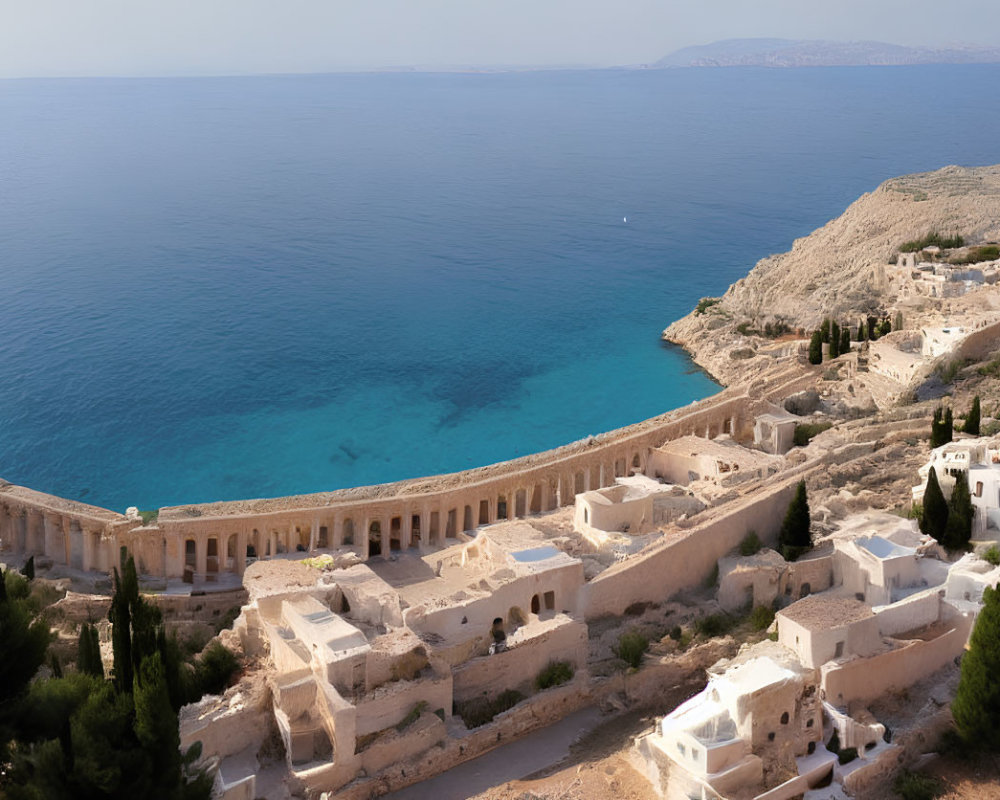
[
  {"x": 149, "y": 516},
  {"x": 742, "y": 353},
  {"x": 986, "y": 252},
  {"x": 706, "y": 303},
  {"x": 676, "y": 633},
  {"x": 761, "y": 618},
  {"x": 714, "y": 625},
  {"x": 412, "y": 716},
  {"x": 476, "y": 713},
  {"x": 744, "y": 329},
  {"x": 632, "y": 645},
  {"x": 751, "y": 544},
  {"x": 932, "y": 239},
  {"x": 805, "y": 431},
  {"x": 992, "y": 555},
  {"x": 553, "y": 674},
  {"x": 914, "y": 786},
  {"x": 215, "y": 669},
  {"x": 847, "y": 755}
]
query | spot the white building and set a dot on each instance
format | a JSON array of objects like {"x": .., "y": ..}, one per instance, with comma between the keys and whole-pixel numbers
[{"x": 979, "y": 461}]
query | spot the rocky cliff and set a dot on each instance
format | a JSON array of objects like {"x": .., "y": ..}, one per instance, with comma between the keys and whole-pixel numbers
[{"x": 840, "y": 269}]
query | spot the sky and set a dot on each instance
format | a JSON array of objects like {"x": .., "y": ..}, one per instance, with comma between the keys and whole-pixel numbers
[{"x": 46, "y": 38}]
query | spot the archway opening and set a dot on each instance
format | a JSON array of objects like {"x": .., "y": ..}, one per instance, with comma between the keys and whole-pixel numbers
[
  {"x": 212, "y": 561},
  {"x": 484, "y": 512},
  {"x": 375, "y": 539},
  {"x": 395, "y": 533},
  {"x": 414, "y": 530}
]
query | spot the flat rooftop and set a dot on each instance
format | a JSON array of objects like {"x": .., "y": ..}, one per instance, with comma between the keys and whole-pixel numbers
[
  {"x": 723, "y": 449},
  {"x": 820, "y": 612}
]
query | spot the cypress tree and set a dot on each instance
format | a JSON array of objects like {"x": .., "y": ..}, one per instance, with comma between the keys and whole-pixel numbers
[
  {"x": 972, "y": 421},
  {"x": 834, "y": 339},
  {"x": 121, "y": 637},
  {"x": 935, "y": 514},
  {"x": 862, "y": 333},
  {"x": 845, "y": 340},
  {"x": 872, "y": 327},
  {"x": 156, "y": 724},
  {"x": 958, "y": 529},
  {"x": 28, "y": 570},
  {"x": 794, "y": 537},
  {"x": 816, "y": 348},
  {"x": 941, "y": 427},
  {"x": 824, "y": 330},
  {"x": 88, "y": 659},
  {"x": 976, "y": 707}
]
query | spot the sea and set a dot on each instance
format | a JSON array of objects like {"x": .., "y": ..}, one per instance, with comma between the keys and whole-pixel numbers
[{"x": 223, "y": 288}]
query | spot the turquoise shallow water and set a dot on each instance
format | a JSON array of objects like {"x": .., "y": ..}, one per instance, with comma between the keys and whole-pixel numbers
[{"x": 224, "y": 288}]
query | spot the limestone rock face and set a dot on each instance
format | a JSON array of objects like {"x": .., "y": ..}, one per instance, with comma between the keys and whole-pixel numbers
[{"x": 840, "y": 268}]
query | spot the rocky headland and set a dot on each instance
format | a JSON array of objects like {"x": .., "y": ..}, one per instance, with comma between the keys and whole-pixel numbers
[{"x": 844, "y": 271}]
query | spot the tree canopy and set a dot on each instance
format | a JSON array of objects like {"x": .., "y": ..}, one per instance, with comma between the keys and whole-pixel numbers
[
  {"x": 795, "y": 537},
  {"x": 976, "y": 707}
]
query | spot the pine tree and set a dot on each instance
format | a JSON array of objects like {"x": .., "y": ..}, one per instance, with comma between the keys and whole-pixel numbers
[
  {"x": 976, "y": 707},
  {"x": 834, "y": 339},
  {"x": 816, "y": 348},
  {"x": 845, "y": 340},
  {"x": 23, "y": 642},
  {"x": 935, "y": 513},
  {"x": 972, "y": 421},
  {"x": 794, "y": 537},
  {"x": 958, "y": 529}
]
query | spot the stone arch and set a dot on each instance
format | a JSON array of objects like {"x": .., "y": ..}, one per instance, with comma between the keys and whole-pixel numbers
[
  {"x": 395, "y": 533},
  {"x": 484, "y": 512},
  {"x": 635, "y": 461},
  {"x": 578, "y": 483},
  {"x": 467, "y": 524},
  {"x": 375, "y": 538},
  {"x": 521, "y": 503},
  {"x": 349, "y": 531},
  {"x": 254, "y": 549},
  {"x": 451, "y": 524},
  {"x": 231, "y": 552},
  {"x": 516, "y": 617},
  {"x": 501, "y": 506},
  {"x": 212, "y": 555},
  {"x": 323, "y": 538},
  {"x": 536, "y": 604},
  {"x": 415, "y": 530},
  {"x": 535, "y": 507},
  {"x": 619, "y": 467}
]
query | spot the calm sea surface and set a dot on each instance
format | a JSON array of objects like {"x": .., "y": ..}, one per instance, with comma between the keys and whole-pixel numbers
[{"x": 226, "y": 288}]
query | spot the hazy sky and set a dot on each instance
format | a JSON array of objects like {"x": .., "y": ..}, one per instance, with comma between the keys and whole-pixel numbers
[{"x": 180, "y": 37}]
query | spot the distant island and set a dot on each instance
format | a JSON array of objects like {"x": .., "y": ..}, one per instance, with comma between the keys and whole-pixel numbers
[{"x": 820, "y": 53}]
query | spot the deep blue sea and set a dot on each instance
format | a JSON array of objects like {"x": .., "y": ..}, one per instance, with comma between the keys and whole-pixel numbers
[{"x": 218, "y": 288}]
